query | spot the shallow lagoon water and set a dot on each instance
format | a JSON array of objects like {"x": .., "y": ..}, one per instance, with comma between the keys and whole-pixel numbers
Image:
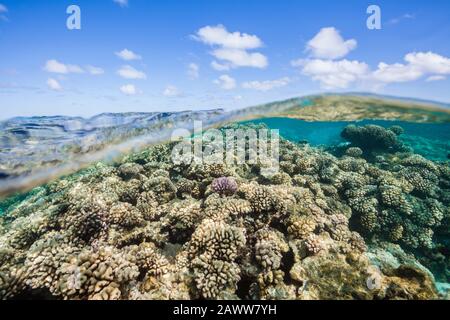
[
  {"x": 114, "y": 213},
  {"x": 431, "y": 140}
]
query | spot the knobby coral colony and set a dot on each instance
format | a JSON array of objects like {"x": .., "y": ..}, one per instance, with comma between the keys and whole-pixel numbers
[{"x": 324, "y": 227}]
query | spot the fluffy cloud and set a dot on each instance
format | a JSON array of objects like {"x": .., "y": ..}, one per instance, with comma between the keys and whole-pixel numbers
[
  {"x": 54, "y": 85},
  {"x": 329, "y": 44},
  {"x": 418, "y": 65},
  {"x": 397, "y": 72},
  {"x": 193, "y": 71},
  {"x": 218, "y": 35},
  {"x": 95, "y": 71},
  {"x": 129, "y": 90},
  {"x": 429, "y": 62},
  {"x": 342, "y": 73},
  {"x": 128, "y": 72},
  {"x": 122, "y": 3},
  {"x": 236, "y": 58},
  {"x": 128, "y": 55},
  {"x": 219, "y": 67},
  {"x": 226, "y": 82},
  {"x": 333, "y": 74},
  {"x": 266, "y": 85},
  {"x": 171, "y": 91},
  {"x": 54, "y": 66},
  {"x": 232, "y": 48}
]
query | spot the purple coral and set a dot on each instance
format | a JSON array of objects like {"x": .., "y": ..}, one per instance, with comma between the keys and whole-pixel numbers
[{"x": 224, "y": 186}]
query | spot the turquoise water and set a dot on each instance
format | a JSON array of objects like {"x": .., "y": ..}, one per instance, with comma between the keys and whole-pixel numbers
[{"x": 429, "y": 140}]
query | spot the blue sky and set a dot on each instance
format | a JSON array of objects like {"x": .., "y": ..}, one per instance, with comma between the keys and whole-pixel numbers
[{"x": 141, "y": 55}]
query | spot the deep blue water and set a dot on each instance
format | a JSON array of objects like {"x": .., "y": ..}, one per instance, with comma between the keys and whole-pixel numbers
[{"x": 428, "y": 139}]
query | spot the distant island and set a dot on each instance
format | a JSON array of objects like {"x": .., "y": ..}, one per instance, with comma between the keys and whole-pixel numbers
[{"x": 351, "y": 107}]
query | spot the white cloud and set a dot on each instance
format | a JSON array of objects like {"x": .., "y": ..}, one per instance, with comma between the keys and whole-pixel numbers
[
  {"x": 122, "y": 3},
  {"x": 128, "y": 72},
  {"x": 239, "y": 58},
  {"x": 129, "y": 90},
  {"x": 219, "y": 35},
  {"x": 333, "y": 74},
  {"x": 418, "y": 65},
  {"x": 219, "y": 67},
  {"x": 429, "y": 62},
  {"x": 329, "y": 44},
  {"x": 435, "y": 78},
  {"x": 95, "y": 71},
  {"x": 397, "y": 72},
  {"x": 171, "y": 91},
  {"x": 128, "y": 55},
  {"x": 54, "y": 66},
  {"x": 54, "y": 85},
  {"x": 193, "y": 71},
  {"x": 232, "y": 48},
  {"x": 226, "y": 82},
  {"x": 342, "y": 73},
  {"x": 266, "y": 85}
]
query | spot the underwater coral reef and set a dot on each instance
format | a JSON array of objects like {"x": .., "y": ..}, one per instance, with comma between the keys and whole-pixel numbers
[{"x": 367, "y": 221}]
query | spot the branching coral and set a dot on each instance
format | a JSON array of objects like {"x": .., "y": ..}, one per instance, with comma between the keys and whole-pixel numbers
[
  {"x": 263, "y": 199},
  {"x": 97, "y": 275},
  {"x": 147, "y": 204},
  {"x": 148, "y": 258},
  {"x": 182, "y": 219},
  {"x": 43, "y": 263},
  {"x": 314, "y": 244},
  {"x": 188, "y": 187},
  {"x": 300, "y": 227},
  {"x": 219, "y": 208},
  {"x": 214, "y": 247},
  {"x": 11, "y": 283},
  {"x": 87, "y": 227},
  {"x": 214, "y": 277},
  {"x": 217, "y": 239},
  {"x": 147, "y": 228},
  {"x": 269, "y": 249},
  {"x": 125, "y": 215},
  {"x": 393, "y": 197},
  {"x": 163, "y": 188}
]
